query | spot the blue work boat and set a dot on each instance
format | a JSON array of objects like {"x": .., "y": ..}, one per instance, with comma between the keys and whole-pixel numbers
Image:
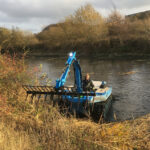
[{"x": 95, "y": 102}]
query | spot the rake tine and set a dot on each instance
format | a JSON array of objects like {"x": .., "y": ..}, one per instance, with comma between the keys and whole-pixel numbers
[
  {"x": 49, "y": 100},
  {"x": 78, "y": 101},
  {"x": 39, "y": 97},
  {"x": 88, "y": 106},
  {"x": 93, "y": 104},
  {"x": 100, "y": 118},
  {"x": 32, "y": 96},
  {"x": 52, "y": 97},
  {"x": 86, "y": 102},
  {"x": 38, "y": 100},
  {"x": 64, "y": 100},
  {"x": 71, "y": 101},
  {"x": 45, "y": 97}
]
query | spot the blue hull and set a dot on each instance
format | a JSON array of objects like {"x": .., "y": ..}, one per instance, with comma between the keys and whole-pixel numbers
[{"x": 97, "y": 105}]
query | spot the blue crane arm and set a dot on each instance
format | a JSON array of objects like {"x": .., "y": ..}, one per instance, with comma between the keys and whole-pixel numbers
[
  {"x": 77, "y": 73},
  {"x": 77, "y": 76},
  {"x": 60, "y": 82}
]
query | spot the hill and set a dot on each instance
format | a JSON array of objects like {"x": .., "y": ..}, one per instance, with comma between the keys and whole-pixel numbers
[{"x": 139, "y": 15}]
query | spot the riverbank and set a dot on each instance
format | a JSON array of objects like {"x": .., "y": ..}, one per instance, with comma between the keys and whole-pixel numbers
[
  {"x": 102, "y": 56},
  {"x": 49, "y": 130}
]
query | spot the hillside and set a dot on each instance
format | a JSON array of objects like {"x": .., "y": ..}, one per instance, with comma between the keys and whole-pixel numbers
[
  {"x": 90, "y": 33},
  {"x": 139, "y": 15}
]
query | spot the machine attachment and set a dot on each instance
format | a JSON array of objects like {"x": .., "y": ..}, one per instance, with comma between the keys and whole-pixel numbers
[{"x": 74, "y": 96}]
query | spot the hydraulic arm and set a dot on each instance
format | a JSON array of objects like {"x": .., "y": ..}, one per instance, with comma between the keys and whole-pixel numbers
[{"x": 77, "y": 73}]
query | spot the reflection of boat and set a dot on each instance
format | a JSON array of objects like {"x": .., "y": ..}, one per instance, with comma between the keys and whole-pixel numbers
[{"x": 96, "y": 102}]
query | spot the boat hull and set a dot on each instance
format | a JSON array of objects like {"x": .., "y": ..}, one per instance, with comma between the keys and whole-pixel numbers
[{"x": 96, "y": 106}]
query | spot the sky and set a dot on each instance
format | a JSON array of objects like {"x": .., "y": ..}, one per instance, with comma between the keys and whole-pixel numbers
[{"x": 34, "y": 15}]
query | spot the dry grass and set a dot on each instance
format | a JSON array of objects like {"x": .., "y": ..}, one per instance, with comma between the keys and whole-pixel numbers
[
  {"x": 52, "y": 131},
  {"x": 10, "y": 139}
]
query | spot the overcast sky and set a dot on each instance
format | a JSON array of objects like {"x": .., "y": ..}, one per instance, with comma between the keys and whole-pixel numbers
[{"x": 34, "y": 15}]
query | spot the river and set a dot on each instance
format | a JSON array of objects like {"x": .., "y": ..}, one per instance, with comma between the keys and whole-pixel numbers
[{"x": 130, "y": 80}]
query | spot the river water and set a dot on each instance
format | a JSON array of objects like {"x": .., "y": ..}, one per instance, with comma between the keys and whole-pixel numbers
[{"x": 129, "y": 79}]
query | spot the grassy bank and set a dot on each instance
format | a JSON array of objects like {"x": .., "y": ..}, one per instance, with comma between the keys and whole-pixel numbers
[{"x": 28, "y": 126}]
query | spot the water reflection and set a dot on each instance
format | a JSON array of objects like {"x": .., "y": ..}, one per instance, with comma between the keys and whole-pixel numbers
[{"x": 130, "y": 91}]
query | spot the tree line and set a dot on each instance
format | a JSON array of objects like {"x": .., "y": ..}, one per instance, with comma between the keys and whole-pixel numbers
[
  {"x": 87, "y": 31},
  {"x": 16, "y": 40}
]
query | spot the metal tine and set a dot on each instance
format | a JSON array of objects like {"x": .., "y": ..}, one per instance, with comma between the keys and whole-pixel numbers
[
  {"x": 68, "y": 104},
  {"x": 51, "y": 97},
  {"x": 100, "y": 118},
  {"x": 39, "y": 98},
  {"x": 71, "y": 101},
  {"x": 93, "y": 104},
  {"x": 32, "y": 96},
  {"x": 36, "y": 102},
  {"x": 88, "y": 104},
  {"x": 65, "y": 99},
  {"x": 50, "y": 100},
  {"x": 45, "y": 97},
  {"x": 86, "y": 101},
  {"x": 78, "y": 101}
]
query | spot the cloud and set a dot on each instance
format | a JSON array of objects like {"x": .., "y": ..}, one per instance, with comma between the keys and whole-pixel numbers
[
  {"x": 35, "y": 14},
  {"x": 121, "y": 4}
]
